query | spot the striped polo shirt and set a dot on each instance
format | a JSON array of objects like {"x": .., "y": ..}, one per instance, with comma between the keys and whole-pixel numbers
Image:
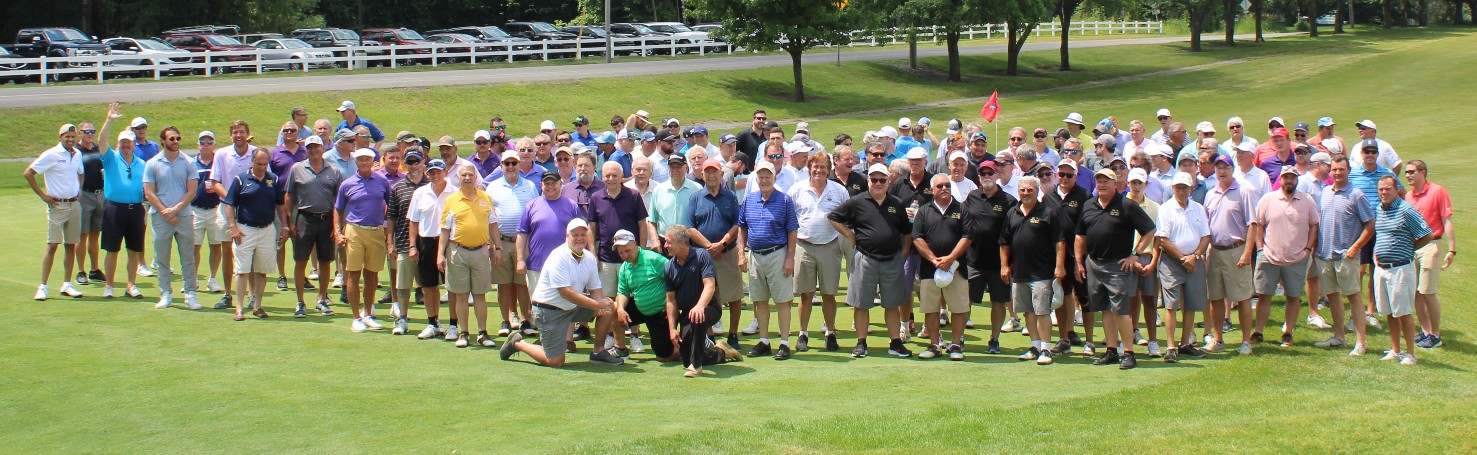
[
  {"x": 1397, "y": 226},
  {"x": 1368, "y": 182},
  {"x": 1344, "y": 212}
]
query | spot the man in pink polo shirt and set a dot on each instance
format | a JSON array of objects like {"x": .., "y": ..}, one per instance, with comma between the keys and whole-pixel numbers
[
  {"x": 1434, "y": 204},
  {"x": 1285, "y": 225}
]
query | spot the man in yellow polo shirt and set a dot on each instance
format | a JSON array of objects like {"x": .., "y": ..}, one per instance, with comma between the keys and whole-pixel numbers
[{"x": 469, "y": 222}]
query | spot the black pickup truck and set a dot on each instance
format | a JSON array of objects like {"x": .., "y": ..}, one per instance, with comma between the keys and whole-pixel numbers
[{"x": 57, "y": 42}]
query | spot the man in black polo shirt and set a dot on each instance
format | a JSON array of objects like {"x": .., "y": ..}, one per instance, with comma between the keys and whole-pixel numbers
[
  {"x": 941, "y": 237},
  {"x": 1032, "y": 231},
  {"x": 752, "y": 139},
  {"x": 691, "y": 285},
  {"x": 877, "y": 224},
  {"x": 984, "y": 212},
  {"x": 91, "y": 200},
  {"x": 1105, "y": 260},
  {"x": 1068, "y": 199},
  {"x": 913, "y": 192}
]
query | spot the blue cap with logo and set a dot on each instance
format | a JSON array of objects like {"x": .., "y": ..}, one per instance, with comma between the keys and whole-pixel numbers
[{"x": 607, "y": 137}]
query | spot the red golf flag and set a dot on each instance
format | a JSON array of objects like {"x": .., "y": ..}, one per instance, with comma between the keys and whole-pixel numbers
[{"x": 991, "y": 108}]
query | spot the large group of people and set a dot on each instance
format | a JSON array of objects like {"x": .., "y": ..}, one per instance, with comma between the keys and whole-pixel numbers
[{"x": 650, "y": 229}]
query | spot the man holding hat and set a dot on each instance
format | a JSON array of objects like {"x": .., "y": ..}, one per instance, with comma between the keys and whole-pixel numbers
[
  {"x": 467, "y": 253},
  {"x": 424, "y": 218},
  {"x": 59, "y": 167},
  {"x": 878, "y": 225},
  {"x": 169, "y": 186},
  {"x": 1106, "y": 261},
  {"x": 252, "y": 206},
  {"x": 1183, "y": 231},
  {"x": 312, "y": 187},
  {"x": 941, "y": 238},
  {"x": 568, "y": 290},
  {"x": 350, "y": 113},
  {"x": 359, "y": 223},
  {"x": 1032, "y": 251}
]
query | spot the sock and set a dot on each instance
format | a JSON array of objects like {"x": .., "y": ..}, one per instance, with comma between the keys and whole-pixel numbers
[
  {"x": 802, "y": 333},
  {"x": 764, "y": 340},
  {"x": 453, "y": 321},
  {"x": 66, "y": 284},
  {"x": 785, "y": 342},
  {"x": 433, "y": 321},
  {"x": 1120, "y": 349}
]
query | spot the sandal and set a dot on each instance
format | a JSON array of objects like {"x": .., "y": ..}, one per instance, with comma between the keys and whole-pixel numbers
[
  {"x": 259, "y": 313},
  {"x": 238, "y": 316}
]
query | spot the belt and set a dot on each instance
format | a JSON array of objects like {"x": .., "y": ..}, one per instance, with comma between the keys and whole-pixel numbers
[
  {"x": 127, "y": 205},
  {"x": 94, "y": 191},
  {"x": 878, "y": 257},
  {"x": 321, "y": 216},
  {"x": 1391, "y": 265},
  {"x": 547, "y": 306},
  {"x": 1235, "y": 244},
  {"x": 73, "y": 199},
  {"x": 509, "y": 238},
  {"x": 763, "y": 251},
  {"x": 464, "y": 247},
  {"x": 372, "y": 228},
  {"x": 818, "y": 244}
]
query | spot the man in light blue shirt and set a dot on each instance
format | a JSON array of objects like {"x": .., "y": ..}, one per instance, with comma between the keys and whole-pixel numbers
[{"x": 169, "y": 185}]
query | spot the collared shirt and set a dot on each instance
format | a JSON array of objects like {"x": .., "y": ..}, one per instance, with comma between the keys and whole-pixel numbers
[
  {"x": 92, "y": 167},
  {"x": 811, "y": 210},
  {"x": 452, "y": 168},
  {"x": 171, "y": 178},
  {"x": 941, "y": 229},
  {"x": 623, "y": 158},
  {"x": 392, "y": 178},
  {"x": 685, "y": 280},
  {"x": 1434, "y": 204},
  {"x": 909, "y": 193},
  {"x": 1312, "y": 186},
  {"x": 985, "y": 216},
  {"x": 1183, "y": 226},
  {"x": 314, "y": 191},
  {"x": 493, "y": 163},
  {"x": 469, "y": 218},
  {"x": 256, "y": 200},
  {"x": 581, "y": 196},
  {"x": 544, "y": 222},
  {"x": 1257, "y": 180},
  {"x": 303, "y": 131},
  {"x": 283, "y": 159},
  {"x": 855, "y": 183},
  {"x": 374, "y": 131},
  {"x": 714, "y": 215},
  {"x": 1396, "y": 227},
  {"x": 1285, "y": 222},
  {"x": 1228, "y": 147},
  {"x": 363, "y": 199},
  {"x": 1109, "y": 230},
  {"x": 1272, "y": 166},
  {"x": 145, "y": 149},
  {"x": 425, "y": 209},
  {"x": 646, "y": 196},
  {"x": 123, "y": 182},
  {"x": 786, "y": 178},
  {"x": 960, "y": 189},
  {"x": 564, "y": 270},
  {"x": 611, "y": 214},
  {"x": 345, "y": 165},
  {"x": 1388, "y": 158},
  {"x": 228, "y": 164},
  {"x": 1032, "y": 238},
  {"x": 660, "y": 170},
  {"x": 768, "y": 221},
  {"x": 400, "y": 194},
  {"x": 588, "y": 138},
  {"x": 669, "y": 204},
  {"x": 205, "y": 197},
  {"x": 534, "y": 173},
  {"x": 1368, "y": 182},
  {"x": 643, "y": 282},
  {"x": 1151, "y": 208},
  {"x": 549, "y": 166},
  {"x": 506, "y": 194},
  {"x": 1230, "y": 211},
  {"x": 59, "y": 168},
  {"x": 879, "y": 227},
  {"x": 1343, "y": 212},
  {"x": 1070, "y": 205},
  {"x": 749, "y": 142}
]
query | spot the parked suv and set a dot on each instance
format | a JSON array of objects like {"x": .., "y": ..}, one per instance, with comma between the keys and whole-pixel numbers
[
  {"x": 400, "y": 37},
  {"x": 541, "y": 31},
  {"x": 208, "y": 38},
  {"x": 57, "y": 42},
  {"x": 491, "y": 34},
  {"x": 654, "y": 38},
  {"x": 688, "y": 40},
  {"x": 337, "y": 37},
  {"x": 596, "y": 33}
]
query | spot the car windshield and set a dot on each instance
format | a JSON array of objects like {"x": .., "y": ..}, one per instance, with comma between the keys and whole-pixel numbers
[
  {"x": 542, "y": 27},
  {"x": 220, "y": 40},
  {"x": 345, "y": 35},
  {"x": 153, "y": 45},
  {"x": 642, "y": 29},
  {"x": 678, "y": 28},
  {"x": 5, "y": 52},
  {"x": 591, "y": 30},
  {"x": 494, "y": 32},
  {"x": 66, "y": 34},
  {"x": 409, "y": 35},
  {"x": 294, "y": 44}
]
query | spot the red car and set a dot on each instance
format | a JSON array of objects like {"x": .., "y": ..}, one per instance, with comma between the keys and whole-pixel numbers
[
  {"x": 400, "y": 37},
  {"x": 201, "y": 42}
]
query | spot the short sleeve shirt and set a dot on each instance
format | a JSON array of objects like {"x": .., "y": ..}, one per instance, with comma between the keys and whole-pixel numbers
[
  {"x": 1286, "y": 223},
  {"x": 256, "y": 200},
  {"x": 1183, "y": 226},
  {"x": 564, "y": 270},
  {"x": 986, "y": 217},
  {"x": 505, "y": 195},
  {"x": 1342, "y": 215},
  {"x": 1230, "y": 211},
  {"x": 314, "y": 191},
  {"x": 468, "y": 218},
  {"x": 643, "y": 282},
  {"x": 811, "y": 210},
  {"x": 123, "y": 182},
  {"x": 1396, "y": 227},
  {"x": 363, "y": 199},
  {"x": 669, "y": 204},
  {"x": 768, "y": 221},
  {"x": 425, "y": 209},
  {"x": 685, "y": 281},
  {"x": 941, "y": 230},
  {"x": 1109, "y": 230},
  {"x": 228, "y": 164},
  {"x": 879, "y": 227},
  {"x": 714, "y": 215},
  {"x": 59, "y": 169},
  {"x": 1434, "y": 204},
  {"x": 611, "y": 214},
  {"x": 544, "y": 222},
  {"x": 1032, "y": 238},
  {"x": 171, "y": 178}
]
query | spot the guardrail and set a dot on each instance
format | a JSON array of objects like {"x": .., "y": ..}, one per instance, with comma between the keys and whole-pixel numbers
[{"x": 100, "y": 67}]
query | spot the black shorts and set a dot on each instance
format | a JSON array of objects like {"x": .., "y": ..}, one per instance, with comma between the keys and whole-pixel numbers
[
  {"x": 426, "y": 273},
  {"x": 1070, "y": 285},
  {"x": 123, "y": 223},
  {"x": 986, "y": 277},
  {"x": 656, "y": 326},
  {"x": 1366, "y": 255},
  {"x": 314, "y": 233}
]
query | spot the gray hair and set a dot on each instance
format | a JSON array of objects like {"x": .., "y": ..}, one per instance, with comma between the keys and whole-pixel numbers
[
  {"x": 1031, "y": 179},
  {"x": 677, "y": 233},
  {"x": 1074, "y": 141},
  {"x": 899, "y": 168}
]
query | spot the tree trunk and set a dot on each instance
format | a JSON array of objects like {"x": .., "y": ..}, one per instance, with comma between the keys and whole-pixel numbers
[
  {"x": 1312, "y": 6},
  {"x": 1257, "y": 12},
  {"x": 795, "y": 52},
  {"x": 1230, "y": 7},
  {"x": 1066, "y": 35},
  {"x": 954, "y": 70},
  {"x": 1194, "y": 37},
  {"x": 1388, "y": 15},
  {"x": 1016, "y": 39},
  {"x": 1338, "y": 17},
  {"x": 913, "y": 51},
  {"x": 1422, "y": 16}
]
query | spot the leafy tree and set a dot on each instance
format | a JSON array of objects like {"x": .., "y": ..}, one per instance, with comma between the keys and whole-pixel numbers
[
  {"x": 1021, "y": 18},
  {"x": 792, "y": 26},
  {"x": 1198, "y": 12}
]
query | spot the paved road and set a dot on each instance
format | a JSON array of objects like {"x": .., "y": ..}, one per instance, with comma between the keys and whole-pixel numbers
[{"x": 164, "y": 90}]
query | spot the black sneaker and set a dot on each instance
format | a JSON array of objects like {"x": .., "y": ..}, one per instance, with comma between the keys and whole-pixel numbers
[
  {"x": 582, "y": 332},
  {"x": 1172, "y": 355},
  {"x": 308, "y": 285},
  {"x": 1062, "y": 346},
  {"x": 623, "y": 353},
  {"x": 386, "y": 298},
  {"x": 1256, "y": 338},
  {"x": 281, "y": 283},
  {"x": 1108, "y": 358},
  {"x": 760, "y": 349},
  {"x": 224, "y": 303},
  {"x": 510, "y": 346},
  {"x": 1286, "y": 339},
  {"x": 1128, "y": 361},
  {"x": 860, "y": 350},
  {"x": 301, "y": 312},
  {"x": 896, "y": 348},
  {"x": 527, "y": 328},
  {"x": 343, "y": 296},
  {"x": 602, "y": 356},
  {"x": 733, "y": 341},
  {"x": 831, "y": 344},
  {"x": 994, "y": 347},
  {"x": 802, "y": 345},
  {"x": 323, "y": 307},
  {"x": 97, "y": 276},
  {"x": 783, "y": 353},
  {"x": 1190, "y": 350},
  {"x": 1073, "y": 338},
  {"x": 504, "y": 329}
]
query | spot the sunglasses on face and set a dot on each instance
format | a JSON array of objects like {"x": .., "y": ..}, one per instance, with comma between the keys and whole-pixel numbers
[
  {"x": 1005, "y": 163},
  {"x": 1235, "y": 127},
  {"x": 1163, "y": 117},
  {"x": 288, "y": 131},
  {"x": 541, "y": 143},
  {"x": 877, "y": 155},
  {"x": 413, "y": 163},
  {"x": 172, "y": 139},
  {"x": 364, "y": 136},
  {"x": 988, "y": 174},
  {"x": 1017, "y": 139},
  {"x": 1065, "y": 175},
  {"x": 1371, "y": 152},
  {"x": 1040, "y": 136},
  {"x": 1409, "y": 171},
  {"x": 1071, "y": 152},
  {"x": 89, "y": 131},
  {"x": 775, "y": 157},
  {"x": 481, "y": 142},
  {"x": 1117, "y": 167},
  {"x": 562, "y": 159},
  {"x": 500, "y": 127},
  {"x": 1300, "y": 152},
  {"x": 510, "y": 163},
  {"x": 942, "y": 186},
  {"x": 563, "y": 140},
  {"x": 207, "y": 142},
  {"x": 877, "y": 180},
  {"x": 526, "y": 150},
  {"x": 761, "y": 118}
]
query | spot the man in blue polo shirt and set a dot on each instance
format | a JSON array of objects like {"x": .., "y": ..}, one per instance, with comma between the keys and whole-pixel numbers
[
  {"x": 352, "y": 119},
  {"x": 1365, "y": 178},
  {"x": 767, "y": 226},
  {"x": 123, "y": 216},
  {"x": 1399, "y": 232},
  {"x": 714, "y": 213}
]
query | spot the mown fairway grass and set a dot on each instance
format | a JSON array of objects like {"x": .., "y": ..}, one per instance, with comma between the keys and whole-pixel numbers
[{"x": 119, "y": 376}]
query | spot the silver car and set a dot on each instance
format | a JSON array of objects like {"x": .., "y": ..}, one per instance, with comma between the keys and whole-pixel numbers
[
  {"x": 290, "y": 53},
  {"x": 147, "y": 52}
]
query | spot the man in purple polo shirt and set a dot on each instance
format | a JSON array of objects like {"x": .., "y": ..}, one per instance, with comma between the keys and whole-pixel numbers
[
  {"x": 1273, "y": 164},
  {"x": 584, "y": 186},
  {"x": 359, "y": 221},
  {"x": 287, "y": 153},
  {"x": 486, "y": 156},
  {"x": 612, "y": 209},
  {"x": 542, "y": 227}
]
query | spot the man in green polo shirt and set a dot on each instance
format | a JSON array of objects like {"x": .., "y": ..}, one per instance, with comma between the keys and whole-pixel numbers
[{"x": 641, "y": 295}]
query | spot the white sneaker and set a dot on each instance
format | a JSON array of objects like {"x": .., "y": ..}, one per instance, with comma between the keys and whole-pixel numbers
[
  {"x": 1138, "y": 339},
  {"x": 969, "y": 323},
  {"x": 1028, "y": 355},
  {"x": 1010, "y": 326},
  {"x": 400, "y": 327},
  {"x": 164, "y": 301},
  {"x": 107, "y": 292},
  {"x": 191, "y": 302},
  {"x": 1078, "y": 318},
  {"x": 41, "y": 292},
  {"x": 338, "y": 281},
  {"x": 69, "y": 291},
  {"x": 395, "y": 311},
  {"x": 1209, "y": 339},
  {"x": 1373, "y": 322},
  {"x": 313, "y": 275},
  {"x": 429, "y": 333},
  {"x": 1245, "y": 349},
  {"x": 1390, "y": 355},
  {"x": 1331, "y": 342},
  {"x": 1407, "y": 359},
  {"x": 753, "y": 327},
  {"x": 1089, "y": 349},
  {"x": 1158, "y": 321},
  {"x": 371, "y": 323},
  {"x": 143, "y": 270},
  {"x": 132, "y": 291},
  {"x": 635, "y": 345},
  {"x": 718, "y": 330},
  {"x": 1053, "y": 319},
  {"x": 358, "y": 325},
  {"x": 451, "y": 332},
  {"x": 1212, "y": 347},
  {"x": 1044, "y": 358},
  {"x": 213, "y": 286},
  {"x": 1317, "y": 321},
  {"x": 1025, "y": 331},
  {"x": 1358, "y": 351},
  {"x": 1154, "y": 349}
]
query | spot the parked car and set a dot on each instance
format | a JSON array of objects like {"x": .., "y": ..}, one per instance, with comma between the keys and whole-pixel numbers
[
  {"x": 638, "y": 31},
  {"x": 463, "y": 43},
  {"x": 491, "y": 34},
  {"x": 597, "y": 33},
  {"x": 292, "y": 54},
  {"x": 338, "y": 38},
  {"x": 251, "y": 38},
  {"x": 541, "y": 31},
  {"x": 200, "y": 42},
  {"x": 684, "y": 35},
  {"x": 57, "y": 42},
  {"x": 148, "y": 52},
  {"x": 1328, "y": 19},
  {"x": 8, "y": 67},
  {"x": 400, "y": 37}
]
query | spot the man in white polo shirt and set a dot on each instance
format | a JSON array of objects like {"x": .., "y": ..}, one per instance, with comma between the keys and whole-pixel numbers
[
  {"x": 1184, "y": 238},
  {"x": 567, "y": 290},
  {"x": 61, "y": 168}
]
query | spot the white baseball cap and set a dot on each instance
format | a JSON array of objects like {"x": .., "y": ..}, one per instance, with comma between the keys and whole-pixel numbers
[
  {"x": 1138, "y": 174},
  {"x": 802, "y": 127},
  {"x": 547, "y": 125},
  {"x": 1366, "y": 123},
  {"x": 67, "y": 128},
  {"x": 128, "y": 135},
  {"x": 312, "y": 140},
  {"x": 205, "y": 134},
  {"x": 364, "y": 152},
  {"x": 878, "y": 168},
  {"x": 346, "y": 105},
  {"x": 481, "y": 134},
  {"x": 904, "y": 123},
  {"x": 1163, "y": 112},
  {"x": 623, "y": 237},
  {"x": 956, "y": 155},
  {"x": 887, "y": 131},
  {"x": 955, "y": 126},
  {"x": 576, "y": 223},
  {"x": 137, "y": 122},
  {"x": 1205, "y": 127},
  {"x": 1184, "y": 178}
]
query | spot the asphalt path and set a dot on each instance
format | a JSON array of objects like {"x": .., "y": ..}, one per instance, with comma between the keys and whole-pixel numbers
[{"x": 36, "y": 95}]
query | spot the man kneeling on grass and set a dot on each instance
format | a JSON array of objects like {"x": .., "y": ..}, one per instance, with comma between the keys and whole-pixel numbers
[
  {"x": 567, "y": 290},
  {"x": 691, "y": 283}
]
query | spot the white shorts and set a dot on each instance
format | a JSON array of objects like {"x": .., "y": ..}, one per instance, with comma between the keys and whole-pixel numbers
[
  {"x": 210, "y": 226},
  {"x": 257, "y": 252},
  {"x": 1394, "y": 290}
]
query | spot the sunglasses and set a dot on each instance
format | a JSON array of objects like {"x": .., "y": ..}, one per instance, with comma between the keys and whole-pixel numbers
[
  {"x": 877, "y": 155},
  {"x": 482, "y": 142},
  {"x": 563, "y": 140},
  {"x": 364, "y": 136},
  {"x": 1300, "y": 152},
  {"x": 89, "y": 131},
  {"x": 500, "y": 127},
  {"x": 510, "y": 163},
  {"x": 1412, "y": 171},
  {"x": 541, "y": 143},
  {"x": 1163, "y": 117},
  {"x": 775, "y": 157},
  {"x": 1017, "y": 139},
  {"x": 988, "y": 174},
  {"x": 1005, "y": 163},
  {"x": 1071, "y": 152},
  {"x": 562, "y": 159},
  {"x": 525, "y": 150},
  {"x": 412, "y": 162},
  {"x": 1234, "y": 127},
  {"x": 288, "y": 130},
  {"x": 1118, "y": 167},
  {"x": 1065, "y": 175},
  {"x": 1371, "y": 152},
  {"x": 1040, "y": 136},
  {"x": 944, "y": 186},
  {"x": 876, "y": 180},
  {"x": 172, "y": 139}
]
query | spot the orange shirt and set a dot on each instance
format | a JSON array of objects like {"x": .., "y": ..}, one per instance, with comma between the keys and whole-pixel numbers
[{"x": 1434, "y": 204}]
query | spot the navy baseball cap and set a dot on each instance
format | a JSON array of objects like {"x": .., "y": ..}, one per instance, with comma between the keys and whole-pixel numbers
[
  {"x": 727, "y": 138},
  {"x": 696, "y": 130}
]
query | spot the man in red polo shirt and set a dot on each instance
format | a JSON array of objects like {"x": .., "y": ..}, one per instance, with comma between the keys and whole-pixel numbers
[{"x": 1434, "y": 204}]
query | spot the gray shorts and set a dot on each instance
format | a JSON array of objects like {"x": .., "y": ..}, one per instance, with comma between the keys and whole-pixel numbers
[
  {"x": 874, "y": 278},
  {"x": 92, "y": 211},
  {"x": 1180, "y": 289},
  {"x": 1034, "y": 297},
  {"x": 553, "y": 325},
  {"x": 1292, "y": 277},
  {"x": 1109, "y": 287},
  {"x": 1147, "y": 283}
]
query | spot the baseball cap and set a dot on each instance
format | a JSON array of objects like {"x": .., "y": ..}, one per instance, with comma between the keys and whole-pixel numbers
[
  {"x": 643, "y": 115},
  {"x": 917, "y": 153},
  {"x": 1223, "y": 159},
  {"x": 311, "y": 140},
  {"x": 1321, "y": 157},
  {"x": 511, "y": 155},
  {"x": 1103, "y": 126},
  {"x": 1369, "y": 144},
  {"x": 446, "y": 141},
  {"x": 801, "y": 147},
  {"x": 127, "y": 135},
  {"x": 1066, "y": 162},
  {"x": 482, "y": 134},
  {"x": 436, "y": 164},
  {"x": 405, "y": 136},
  {"x": 1165, "y": 150},
  {"x": 1279, "y": 132},
  {"x": 677, "y": 160},
  {"x": 1062, "y": 133},
  {"x": 665, "y": 135},
  {"x": 1163, "y": 112},
  {"x": 1138, "y": 174},
  {"x": 768, "y": 166},
  {"x": 672, "y": 121},
  {"x": 623, "y": 237},
  {"x": 67, "y": 128},
  {"x": 740, "y": 157},
  {"x": 581, "y": 120},
  {"x": 1288, "y": 170},
  {"x": 547, "y": 125},
  {"x": 387, "y": 148},
  {"x": 945, "y": 276},
  {"x": 925, "y": 121},
  {"x": 551, "y": 175},
  {"x": 576, "y": 223},
  {"x": 1246, "y": 146},
  {"x": 904, "y": 123},
  {"x": 211, "y": 134},
  {"x": 1073, "y": 118},
  {"x": 1277, "y": 120},
  {"x": 364, "y": 153},
  {"x": 1004, "y": 155},
  {"x": 1300, "y": 126},
  {"x": 414, "y": 154},
  {"x": 956, "y": 155},
  {"x": 980, "y": 136},
  {"x": 1117, "y": 159},
  {"x": 769, "y": 125},
  {"x": 607, "y": 137},
  {"x": 955, "y": 126},
  {"x": 696, "y": 130},
  {"x": 647, "y": 136},
  {"x": 1187, "y": 155},
  {"x": 727, "y": 138},
  {"x": 1366, "y": 123},
  {"x": 686, "y": 131},
  {"x": 1105, "y": 172},
  {"x": 346, "y": 105},
  {"x": 137, "y": 122},
  {"x": 1205, "y": 127},
  {"x": 712, "y": 163},
  {"x": 1325, "y": 121},
  {"x": 1106, "y": 140},
  {"x": 990, "y": 164},
  {"x": 343, "y": 134},
  {"x": 887, "y": 131},
  {"x": 1185, "y": 179},
  {"x": 878, "y": 168},
  {"x": 802, "y": 127}
]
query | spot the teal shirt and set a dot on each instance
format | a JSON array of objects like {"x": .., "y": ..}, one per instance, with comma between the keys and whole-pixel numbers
[
  {"x": 123, "y": 182},
  {"x": 669, "y": 204},
  {"x": 642, "y": 282}
]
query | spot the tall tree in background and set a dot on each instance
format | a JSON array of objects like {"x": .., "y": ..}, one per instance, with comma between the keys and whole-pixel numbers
[
  {"x": 1232, "y": 10},
  {"x": 761, "y": 25},
  {"x": 1312, "y": 14},
  {"x": 1338, "y": 17},
  {"x": 948, "y": 17},
  {"x": 1021, "y": 18},
  {"x": 1256, "y": 10},
  {"x": 1065, "y": 9},
  {"x": 1198, "y": 13}
]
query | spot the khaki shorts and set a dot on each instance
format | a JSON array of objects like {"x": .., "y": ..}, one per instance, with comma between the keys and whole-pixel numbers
[
  {"x": 1428, "y": 261},
  {"x": 730, "y": 279},
  {"x": 210, "y": 226},
  {"x": 1226, "y": 280},
  {"x": 405, "y": 280},
  {"x": 818, "y": 264},
  {"x": 955, "y": 297},
  {"x": 64, "y": 223},
  {"x": 609, "y": 277},
  {"x": 366, "y": 249},
  {"x": 767, "y": 280},
  {"x": 1035, "y": 297},
  {"x": 468, "y": 271},
  {"x": 503, "y": 273},
  {"x": 257, "y": 252},
  {"x": 1339, "y": 276}
]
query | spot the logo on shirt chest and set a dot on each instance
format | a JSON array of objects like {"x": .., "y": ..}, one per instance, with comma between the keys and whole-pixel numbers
[
  {"x": 892, "y": 210},
  {"x": 954, "y": 216},
  {"x": 1113, "y": 212},
  {"x": 998, "y": 208},
  {"x": 1035, "y": 220},
  {"x": 1072, "y": 204}
]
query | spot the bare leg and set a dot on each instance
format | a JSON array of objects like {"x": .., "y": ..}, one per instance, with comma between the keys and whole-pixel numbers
[
  {"x": 110, "y": 262},
  {"x": 828, "y": 311},
  {"x": 1291, "y": 313},
  {"x": 805, "y": 307},
  {"x": 1407, "y": 328},
  {"x": 480, "y": 302},
  {"x": 861, "y": 318},
  {"x": 1244, "y": 310},
  {"x": 931, "y": 321},
  {"x": 47, "y": 259},
  {"x": 1124, "y": 325},
  {"x": 761, "y": 313},
  {"x": 367, "y": 283},
  {"x": 894, "y": 324},
  {"x": 784, "y": 333},
  {"x": 1360, "y": 323},
  {"x": 1216, "y": 318},
  {"x": 351, "y": 288},
  {"x": 956, "y": 326}
]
